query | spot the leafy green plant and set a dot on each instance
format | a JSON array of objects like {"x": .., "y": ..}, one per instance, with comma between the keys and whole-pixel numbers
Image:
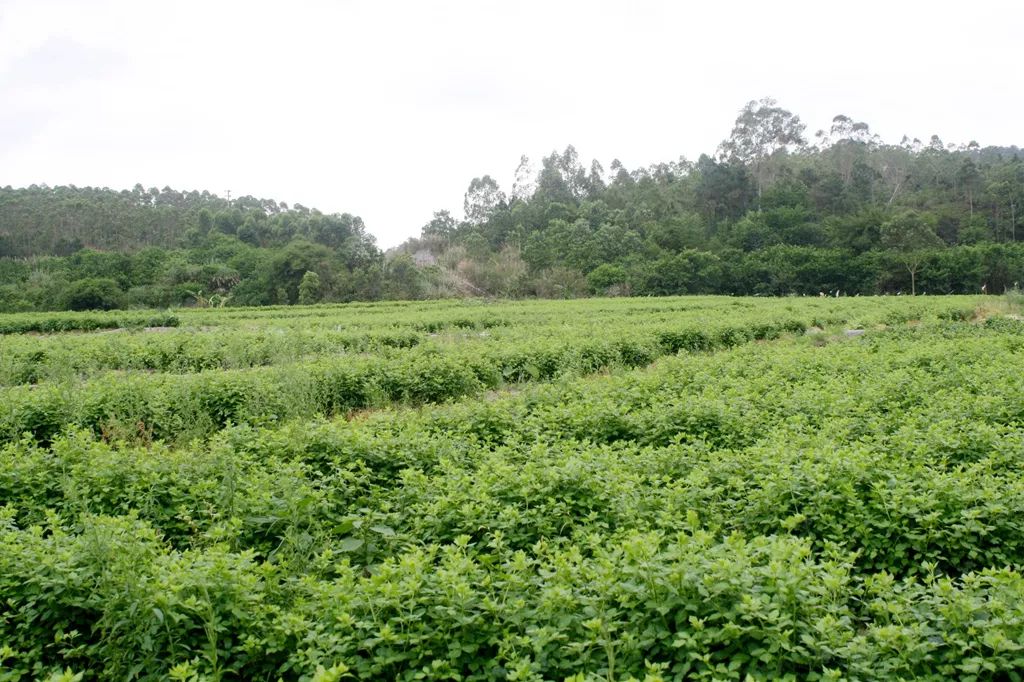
[{"x": 558, "y": 499}]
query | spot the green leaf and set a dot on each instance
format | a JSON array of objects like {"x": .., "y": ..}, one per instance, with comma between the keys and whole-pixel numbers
[{"x": 350, "y": 545}]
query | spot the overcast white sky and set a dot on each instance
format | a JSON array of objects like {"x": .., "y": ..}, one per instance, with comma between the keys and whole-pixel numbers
[{"x": 388, "y": 109}]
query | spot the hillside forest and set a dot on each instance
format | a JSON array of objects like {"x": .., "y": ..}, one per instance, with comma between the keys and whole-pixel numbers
[{"x": 774, "y": 210}]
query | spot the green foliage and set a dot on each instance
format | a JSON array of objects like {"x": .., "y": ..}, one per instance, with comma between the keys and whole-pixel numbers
[
  {"x": 159, "y": 248},
  {"x": 20, "y": 324},
  {"x": 870, "y": 217},
  {"x": 205, "y": 382},
  {"x": 131, "y": 220},
  {"x": 309, "y": 288},
  {"x": 92, "y": 294},
  {"x": 769, "y": 215},
  {"x": 606, "y": 276},
  {"x": 676, "y": 488}
]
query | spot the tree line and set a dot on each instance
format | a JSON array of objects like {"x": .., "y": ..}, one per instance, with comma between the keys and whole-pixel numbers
[
  {"x": 774, "y": 211},
  {"x": 95, "y": 248}
]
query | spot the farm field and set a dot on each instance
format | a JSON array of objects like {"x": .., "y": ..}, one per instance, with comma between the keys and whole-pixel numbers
[{"x": 605, "y": 489}]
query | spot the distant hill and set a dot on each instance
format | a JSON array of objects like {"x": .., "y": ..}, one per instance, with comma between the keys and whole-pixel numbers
[
  {"x": 57, "y": 221},
  {"x": 96, "y": 248}
]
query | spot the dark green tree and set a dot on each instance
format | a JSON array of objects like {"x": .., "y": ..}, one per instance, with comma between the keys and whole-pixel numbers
[{"x": 910, "y": 235}]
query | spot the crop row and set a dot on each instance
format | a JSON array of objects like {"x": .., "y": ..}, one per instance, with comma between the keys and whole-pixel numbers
[
  {"x": 31, "y": 360},
  {"x": 432, "y": 316},
  {"x": 64, "y": 357},
  {"x": 840, "y": 511},
  {"x": 908, "y": 453},
  {"x": 112, "y": 600},
  {"x": 181, "y": 407},
  {"x": 21, "y": 323}
]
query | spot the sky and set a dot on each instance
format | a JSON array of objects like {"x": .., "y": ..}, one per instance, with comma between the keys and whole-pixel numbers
[{"x": 388, "y": 110}]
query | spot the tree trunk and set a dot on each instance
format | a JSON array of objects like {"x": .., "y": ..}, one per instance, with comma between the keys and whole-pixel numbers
[
  {"x": 760, "y": 183},
  {"x": 894, "y": 192}
]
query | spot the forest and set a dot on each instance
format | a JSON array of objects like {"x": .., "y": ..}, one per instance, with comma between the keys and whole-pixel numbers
[{"x": 773, "y": 211}]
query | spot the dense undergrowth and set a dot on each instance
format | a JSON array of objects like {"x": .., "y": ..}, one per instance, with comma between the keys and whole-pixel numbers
[{"x": 813, "y": 505}]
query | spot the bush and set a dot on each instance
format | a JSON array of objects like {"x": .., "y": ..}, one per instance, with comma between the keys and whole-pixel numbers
[{"x": 98, "y": 293}]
